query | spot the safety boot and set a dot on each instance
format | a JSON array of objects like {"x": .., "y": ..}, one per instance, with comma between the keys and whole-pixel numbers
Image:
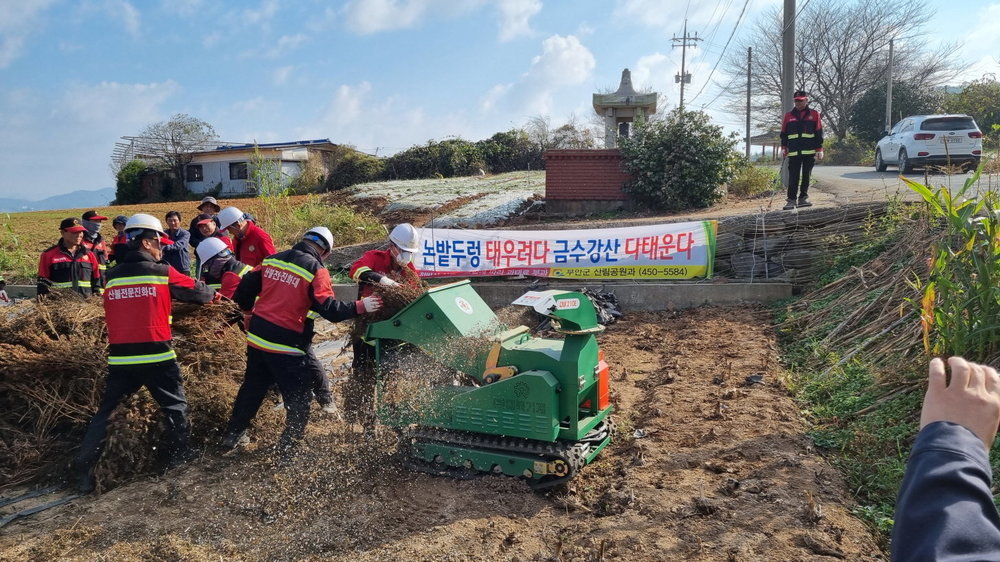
[
  {"x": 231, "y": 441},
  {"x": 804, "y": 202},
  {"x": 789, "y": 205}
]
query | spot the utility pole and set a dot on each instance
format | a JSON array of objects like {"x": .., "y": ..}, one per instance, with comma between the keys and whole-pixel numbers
[
  {"x": 788, "y": 56},
  {"x": 888, "y": 93},
  {"x": 749, "y": 60},
  {"x": 683, "y": 43}
]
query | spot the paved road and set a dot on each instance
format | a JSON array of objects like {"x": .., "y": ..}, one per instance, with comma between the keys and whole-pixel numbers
[{"x": 854, "y": 184}]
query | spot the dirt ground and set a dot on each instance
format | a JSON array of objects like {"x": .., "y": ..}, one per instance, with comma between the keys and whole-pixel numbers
[{"x": 707, "y": 465}]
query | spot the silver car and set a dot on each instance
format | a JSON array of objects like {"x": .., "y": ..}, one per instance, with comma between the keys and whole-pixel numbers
[{"x": 930, "y": 140}]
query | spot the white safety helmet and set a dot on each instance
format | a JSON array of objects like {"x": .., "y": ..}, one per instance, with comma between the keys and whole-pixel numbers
[
  {"x": 228, "y": 217},
  {"x": 406, "y": 237},
  {"x": 209, "y": 248},
  {"x": 320, "y": 235},
  {"x": 144, "y": 222}
]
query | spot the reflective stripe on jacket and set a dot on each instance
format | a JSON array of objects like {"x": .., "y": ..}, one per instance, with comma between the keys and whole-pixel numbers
[
  {"x": 281, "y": 293},
  {"x": 59, "y": 269},
  {"x": 137, "y": 304},
  {"x": 802, "y": 132}
]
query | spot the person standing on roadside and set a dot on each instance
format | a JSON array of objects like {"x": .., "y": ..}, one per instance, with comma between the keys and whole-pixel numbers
[
  {"x": 277, "y": 298},
  {"x": 137, "y": 306},
  {"x": 69, "y": 264},
  {"x": 177, "y": 254},
  {"x": 93, "y": 241},
  {"x": 801, "y": 146},
  {"x": 250, "y": 242}
]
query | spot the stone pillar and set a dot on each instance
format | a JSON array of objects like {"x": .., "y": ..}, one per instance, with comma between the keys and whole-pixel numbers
[{"x": 610, "y": 129}]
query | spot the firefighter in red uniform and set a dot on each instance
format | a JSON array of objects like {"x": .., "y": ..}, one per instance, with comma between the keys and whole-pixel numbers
[
  {"x": 93, "y": 241},
  {"x": 219, "y": 269},
  {"x": 137, "y": 310},
  {"x": 68, "y": 264},
  {"x": 251, "y": 244},
  {"x": 223, "y": 272},
  {"x": 278, "y": 295},
  {"x": 377, "y": 267},
  {"x": 801, "y": 145},
  {"x": 119, "y": 244}
]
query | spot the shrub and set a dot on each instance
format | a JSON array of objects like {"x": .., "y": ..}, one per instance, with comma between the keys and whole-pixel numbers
[
  {"x": 750, "y": 180},
  {"x": 680, "y": 162},
  {"x": 849, "y": 151},
  {"x": 128, "y": 183},
  {"x": 353, "y": 168}
]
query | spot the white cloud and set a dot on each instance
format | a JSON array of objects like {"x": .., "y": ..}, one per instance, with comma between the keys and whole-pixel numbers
[
  {"x": 515, "y": 16},
  {"x": 261, "y": 15},
  {"x": 81, "y": 126},
  {"x": 250, "y": 106},
  {"x": 563, "y": 65},
  {"x": 982, "y": 44},
  {"x": 282, "y": 74},
  {"x": 373, "y": 16},
  {"x": 18, "y": 19},
  {"x": 285, "y": 45},
  {"x": 127, "y": 13}
]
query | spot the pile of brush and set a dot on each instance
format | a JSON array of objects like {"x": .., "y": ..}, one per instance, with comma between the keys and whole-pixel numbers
[
  {"x": 359, "y": 389},
  {"x": 53, "y": 360}
]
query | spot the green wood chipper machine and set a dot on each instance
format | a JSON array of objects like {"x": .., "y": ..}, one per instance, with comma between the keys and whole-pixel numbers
[{"x": 517, "y": 404}]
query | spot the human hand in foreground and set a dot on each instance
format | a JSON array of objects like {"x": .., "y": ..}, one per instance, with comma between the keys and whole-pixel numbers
[
  {"x": 972, "y": 400},
  {"x": 387, "y": 281},
  {"x": 371, "y": 304},
  {"x": 819, "y": 155},
  {"x": 784, "y": 151}
]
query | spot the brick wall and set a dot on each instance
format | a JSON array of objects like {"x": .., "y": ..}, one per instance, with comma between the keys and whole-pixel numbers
[{"x": 584, "y": 175}]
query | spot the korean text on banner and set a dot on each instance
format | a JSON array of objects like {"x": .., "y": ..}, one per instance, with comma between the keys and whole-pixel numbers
[{"x": 667, "y": 251}]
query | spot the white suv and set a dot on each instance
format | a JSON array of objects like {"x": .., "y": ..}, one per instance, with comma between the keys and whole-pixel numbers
[{"x": 927, "y": 140}]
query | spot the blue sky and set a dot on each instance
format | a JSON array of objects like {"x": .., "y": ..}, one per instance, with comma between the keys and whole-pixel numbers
[{"x": 381, "y": 75}]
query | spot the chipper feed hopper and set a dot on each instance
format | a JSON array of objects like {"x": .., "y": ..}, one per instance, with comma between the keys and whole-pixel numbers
[{"x": 524, "y": 406}]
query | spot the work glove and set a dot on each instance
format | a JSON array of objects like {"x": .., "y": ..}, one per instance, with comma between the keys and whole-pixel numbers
[
  {"x": 217, "y": 298},
  {"x": 819, "y": 155},
  {"x": 371, "y": 304},
  {"x": 387, "y": 281},
  {"x": 784, "y": 152}
]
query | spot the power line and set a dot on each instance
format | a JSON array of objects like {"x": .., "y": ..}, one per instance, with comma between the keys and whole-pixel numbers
[{"x": 723, "y": 54}]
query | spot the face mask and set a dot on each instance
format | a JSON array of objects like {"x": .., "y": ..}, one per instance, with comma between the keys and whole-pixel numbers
[
  {"x": 403, "y": 258},
  {"x": 216, "y": 264}
]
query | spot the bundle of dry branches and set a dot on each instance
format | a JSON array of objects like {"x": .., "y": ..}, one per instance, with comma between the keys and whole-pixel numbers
[
  {"x": 53, "y": 358},
  {"x": 866, "y": 313}
]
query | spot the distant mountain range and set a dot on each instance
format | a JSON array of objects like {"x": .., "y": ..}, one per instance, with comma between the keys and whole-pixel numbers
[{"x": 74, "y": 200}]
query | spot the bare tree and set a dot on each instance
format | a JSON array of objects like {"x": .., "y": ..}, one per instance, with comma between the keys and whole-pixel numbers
[
  {"x": 166, "y": 145},
  {"x": 841, "y": 52},
  {"x": 568, "y": 135}
]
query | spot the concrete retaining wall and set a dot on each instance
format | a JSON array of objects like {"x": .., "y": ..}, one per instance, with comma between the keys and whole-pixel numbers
[{"x": 631, "y": 296}]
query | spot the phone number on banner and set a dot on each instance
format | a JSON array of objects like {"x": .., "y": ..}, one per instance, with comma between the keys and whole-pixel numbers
[{"x": 630, "y": 272}]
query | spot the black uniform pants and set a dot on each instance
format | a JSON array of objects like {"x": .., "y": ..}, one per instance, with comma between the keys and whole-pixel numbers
[
  {"x": 295, "y": 382},
  {"x": 799, "y": 169},
  {"x": 359, "y": 392},
  {"x": 321, "y": 384},
  {"x": 163, "y": 381}
]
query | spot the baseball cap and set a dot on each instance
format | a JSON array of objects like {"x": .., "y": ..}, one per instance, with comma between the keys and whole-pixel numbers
[
  {"x": 209, "y": 200},
  {"x": 120, "y": 219},
  {"x": 71, "y": 224},
  {"x": 93, "y": 216},
  {"x": 203, "y": 219},
  {"x": 800, "y": 95}
]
